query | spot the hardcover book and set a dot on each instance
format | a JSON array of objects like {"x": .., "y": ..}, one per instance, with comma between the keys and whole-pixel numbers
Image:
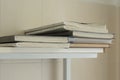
[
  {"x": 36, "y": 45},
  {"x": 89, "y": 45},
  {"x": 18, "y": 38},
  {"x": 89, "y": 40},
  {"x": 68, "y": 26},
  {"x": 79, "y": 34}
]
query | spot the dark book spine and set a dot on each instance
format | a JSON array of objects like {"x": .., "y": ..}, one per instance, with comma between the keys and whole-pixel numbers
[
  {"x": 63, "y": 33},
  {"x": 6, "y": 39}
]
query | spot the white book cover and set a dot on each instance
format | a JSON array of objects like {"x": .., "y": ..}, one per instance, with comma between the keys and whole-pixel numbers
[{"x": 90, "y": 27}]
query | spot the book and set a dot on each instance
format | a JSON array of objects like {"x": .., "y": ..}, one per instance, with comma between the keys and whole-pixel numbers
[
  {"x": 36, "y": 45},
  {"x": 80, "y": 34},
  {"x": 68, "y": 26},
  {"x": 89, "y": 40},
  {"x": 80, "y": 45},
  {"x": 18, "y": 38},
  {"x": 92, "y": 35}
]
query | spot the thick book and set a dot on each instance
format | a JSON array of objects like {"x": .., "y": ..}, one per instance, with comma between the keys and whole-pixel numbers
[
  {"x": 68, "y": 26},
  {"x": 36, "y": 45},
  {"x": 85, "y": 45},
  {"x": 89, "y": 40},
  {"x": 18, "y": 38}
]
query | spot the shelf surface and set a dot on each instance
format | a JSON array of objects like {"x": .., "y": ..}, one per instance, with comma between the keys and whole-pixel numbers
[{"x": 48, "y": 53}]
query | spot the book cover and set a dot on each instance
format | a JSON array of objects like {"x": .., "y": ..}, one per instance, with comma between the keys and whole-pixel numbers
[
  {"x": 89, "y": 40},
  {"x": 36, "y": 45},
  {"x": 85, "y": 45},
  {"x": 18, "y": 38},
  {"x": 80, "y": 34},
  {"x": 68, "y": 26},
  {"x": 93, "y": 35}
]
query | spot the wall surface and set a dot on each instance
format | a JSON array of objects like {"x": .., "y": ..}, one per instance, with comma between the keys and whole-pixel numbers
[
  {"x": 118, "y": 47},
  {"x": 19, "y": 15}
]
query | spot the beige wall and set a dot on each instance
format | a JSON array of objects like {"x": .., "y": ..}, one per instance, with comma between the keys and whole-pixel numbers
[
  {"x": 18, "y": 15},
  {"x": 115, "y": 58},
  {"x": 118, "y": 49},
  {"x": 118, "y": 44}
]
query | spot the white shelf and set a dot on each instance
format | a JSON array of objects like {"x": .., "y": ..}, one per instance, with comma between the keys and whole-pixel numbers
[{"x": 48, "y": 53}]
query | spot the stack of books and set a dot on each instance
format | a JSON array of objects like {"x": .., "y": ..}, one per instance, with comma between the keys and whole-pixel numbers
[{"x": 67, "y": 34}]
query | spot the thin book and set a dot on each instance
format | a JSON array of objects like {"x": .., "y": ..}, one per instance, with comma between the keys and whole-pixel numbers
[
  {"x": 25, "y": 38},
  {"x": 36, "y": 45},
  {"x": 80, "y": 34},
  {"x": 68, "y": 26},
  {"x": 85, "y": 45},
  {"x": 89, "y": 40}
]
